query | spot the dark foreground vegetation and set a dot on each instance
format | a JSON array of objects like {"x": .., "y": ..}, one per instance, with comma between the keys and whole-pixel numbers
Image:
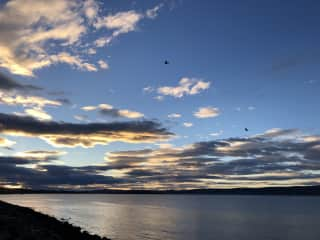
[
  {"x": 295, "y": 190},
  {"x": 20, "y": 223}
]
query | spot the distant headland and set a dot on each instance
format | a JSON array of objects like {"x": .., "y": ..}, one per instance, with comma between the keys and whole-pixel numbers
[{"x": 295, "y": 190}]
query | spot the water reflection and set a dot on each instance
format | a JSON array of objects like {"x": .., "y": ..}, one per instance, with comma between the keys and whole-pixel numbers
[{"x": 125, "y": 217}]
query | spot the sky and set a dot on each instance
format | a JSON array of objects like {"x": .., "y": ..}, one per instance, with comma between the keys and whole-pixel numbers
[{"x": 87, "y": 101}]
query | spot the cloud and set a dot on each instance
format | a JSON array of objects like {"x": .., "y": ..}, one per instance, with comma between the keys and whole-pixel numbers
[
  {"x": 188, "y": 124},
  {"x": 129, "y": 114},
  {"x": 38, "y": 113},
  {"x": 92, "y": 51},
  {"x": 62, "y": 134},
  {"x": 13, "y": 93},
  {"x": 251, "y": 108},
  {"x": 122, "y": 23},
  {"x": 41, "y": 155},
  {"x": 102, "y": 41},
  {"x": 108, "y": 110},
  {"x": 187, "y": 86},
  {"x": 76, "y": 61},
  {"x": 14, "y": 170},
  {"x": 6, "y": 142},
  {"x": 64, "y": 101},
  {"x": 81, "y": 118},
  {"x": 33, "y": 34},
  {"x": 263, "y": 160},
  {"x": 11, "y": 98},
  {"x": 174, "y": 115},
  {"x": 153, "y": 12},
  {"x": 216, "y": 134},
  {"x": 274, "y": 158},
  {"x": 207, "y": 112},
  {"x": 103, "y": 64},
  {"x": 159, "y": 98},
  {"x": 91, "y": 9},
  {"x": 148, "y": 89},
  {"x": 9, "y": 84},
  {"x": 26, "y": 28}
]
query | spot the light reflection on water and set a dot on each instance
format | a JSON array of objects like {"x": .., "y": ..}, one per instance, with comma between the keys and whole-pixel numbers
[{"x": 126, "y": 217}]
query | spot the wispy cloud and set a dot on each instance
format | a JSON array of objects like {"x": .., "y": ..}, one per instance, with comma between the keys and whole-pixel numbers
[
  {"x": 122, "y": 22},
  {"x": 174, "y": 115},
  {"x": 76, "y": 61},
  {"x": 109, "y": 110},
  {"x": 216, "y": 134},
  {"x": 187, "y": 124},
  {"x": 187, "y": 86},
  {"x": 82, "y": 118},
  {"x": 159, "y": 98},
  {"x": 148, "y": 89},
  {"x": 153, "y": 12}
]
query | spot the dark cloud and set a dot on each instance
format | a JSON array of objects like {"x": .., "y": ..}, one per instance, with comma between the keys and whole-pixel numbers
[
  {"x": 7, "y": 83},
  {"x": 64, "y": 101},
  {"x": 87, "y": 135},
  {"x": 12, "y": 160},
  {"x": 296, "y": 61},
  {"x": 12, "y": 172},
  {"x": 58, "y": 93},
  {"x": 117, "y": 113},
  {"x": 110, "y": 112},
  {"x": 275, "y": 158}
]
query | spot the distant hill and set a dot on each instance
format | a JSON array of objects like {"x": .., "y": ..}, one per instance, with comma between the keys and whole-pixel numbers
[{"x": 297, "y": 190}]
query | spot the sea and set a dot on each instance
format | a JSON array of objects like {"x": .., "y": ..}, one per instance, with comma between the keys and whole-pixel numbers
[{"x": 182, "y": 217}]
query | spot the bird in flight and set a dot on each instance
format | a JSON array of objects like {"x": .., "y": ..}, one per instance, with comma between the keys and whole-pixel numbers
[
  {"x": 246, "y": 129},
  {"x": 166, "y": 62}
]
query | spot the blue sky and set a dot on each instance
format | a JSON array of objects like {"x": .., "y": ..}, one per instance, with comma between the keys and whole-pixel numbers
[{"x": 232, "y": 65}]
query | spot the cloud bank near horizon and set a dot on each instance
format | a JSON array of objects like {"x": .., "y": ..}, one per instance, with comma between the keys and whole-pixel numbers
[{"x": 277, "y": 157}]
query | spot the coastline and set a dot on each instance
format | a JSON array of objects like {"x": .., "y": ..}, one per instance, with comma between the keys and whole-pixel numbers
[
  {"x": 286, "y": 191},
  {"x": 22, "y": 223}
]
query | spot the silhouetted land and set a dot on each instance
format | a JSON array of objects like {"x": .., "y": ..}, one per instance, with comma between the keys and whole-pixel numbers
[
  {"x": 298, "y": 190},
  {"x": 20, "y": 223}
]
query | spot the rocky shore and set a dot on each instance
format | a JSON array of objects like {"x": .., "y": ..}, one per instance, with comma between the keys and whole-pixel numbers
[{"x": 21, "y": 223}]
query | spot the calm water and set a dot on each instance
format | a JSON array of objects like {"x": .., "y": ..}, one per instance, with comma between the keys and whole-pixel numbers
[{"x": 126, "y": 217}]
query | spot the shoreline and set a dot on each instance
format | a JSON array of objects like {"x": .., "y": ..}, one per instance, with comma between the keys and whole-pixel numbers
[
  {"x": 22, "y": 223},
  {"x": 287, "y": 191}
]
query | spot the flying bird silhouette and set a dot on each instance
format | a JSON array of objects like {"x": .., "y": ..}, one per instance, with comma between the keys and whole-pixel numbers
[
  {"x": 166, "y": 62},
  {"x": 246, "y": 129}
]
